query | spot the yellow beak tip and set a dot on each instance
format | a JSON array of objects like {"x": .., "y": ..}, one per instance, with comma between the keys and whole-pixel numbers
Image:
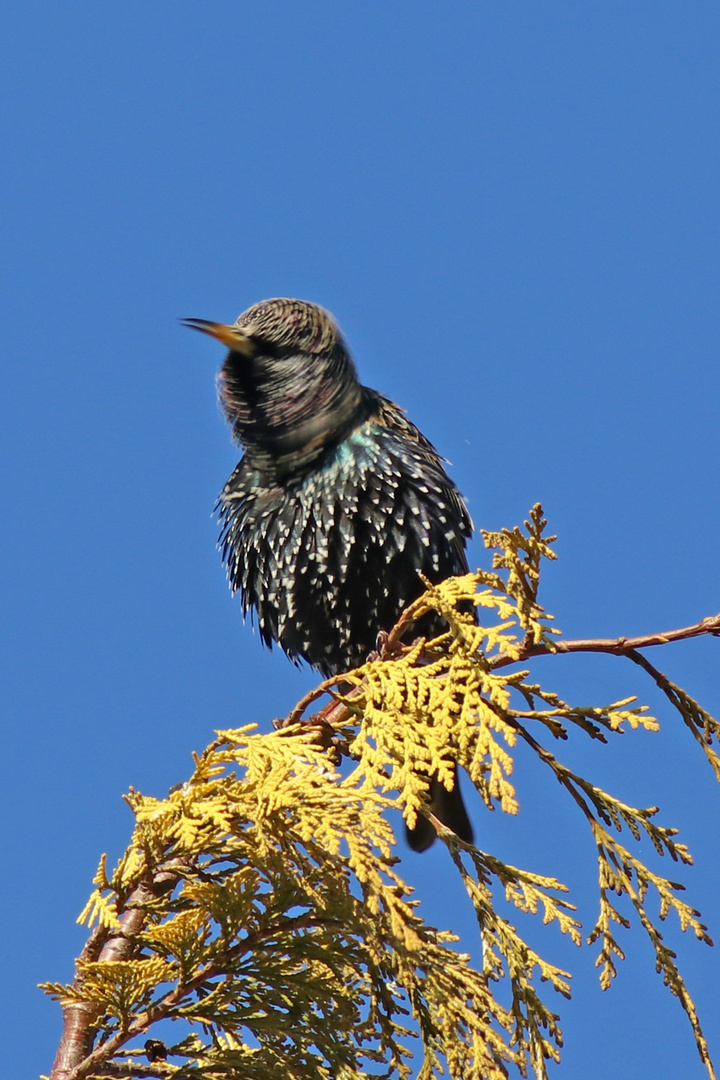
[{"x": 235, "y": 339}]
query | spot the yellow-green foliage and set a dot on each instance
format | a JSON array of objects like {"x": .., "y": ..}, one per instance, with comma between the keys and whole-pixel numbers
[
  {"x": 263, "y": 901},
  {"x": 288, "y": 938}
]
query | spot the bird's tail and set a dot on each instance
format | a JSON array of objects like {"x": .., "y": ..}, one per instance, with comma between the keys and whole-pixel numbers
[{"x": 449, "y": 807}]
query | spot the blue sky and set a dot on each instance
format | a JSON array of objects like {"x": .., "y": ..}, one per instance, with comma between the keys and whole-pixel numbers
[{"x": 513, "y": 211}]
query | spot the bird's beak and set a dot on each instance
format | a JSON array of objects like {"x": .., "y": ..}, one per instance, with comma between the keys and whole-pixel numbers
[{"x": 232, "y": 336}]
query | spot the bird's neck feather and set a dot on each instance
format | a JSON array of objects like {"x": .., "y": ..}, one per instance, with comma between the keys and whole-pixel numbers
[{"x": 286, "y": 412}]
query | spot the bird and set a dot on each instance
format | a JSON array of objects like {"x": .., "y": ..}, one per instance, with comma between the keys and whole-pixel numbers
[{"x": 337, "y": 505}]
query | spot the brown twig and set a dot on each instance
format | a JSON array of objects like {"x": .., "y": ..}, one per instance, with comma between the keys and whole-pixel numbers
[
  {"x": 135, "y": 1071},
  {"x": 336, "y": 711},
  {"x": 106, "y": 944},
  {"x": 393, "y": 640},
  {"x": 621, "y": 646},
  {"x": 305, "y": 702}
]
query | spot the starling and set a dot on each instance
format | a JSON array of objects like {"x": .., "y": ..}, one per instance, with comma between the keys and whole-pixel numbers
[{"x": 336, "y": 504}]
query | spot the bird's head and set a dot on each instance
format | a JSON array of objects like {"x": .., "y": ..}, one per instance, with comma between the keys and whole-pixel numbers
[
  {"x": 288, "y": 385},
  {"x": 279, "y": 327}
]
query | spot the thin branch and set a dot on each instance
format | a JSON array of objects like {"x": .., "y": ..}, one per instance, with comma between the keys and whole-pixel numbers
[
  {"x": 106, "y": 944},
  {"x": 622, "y": 646},
  {"x": 305, "y": 702},
  {"x": 134, "y": 1070}
]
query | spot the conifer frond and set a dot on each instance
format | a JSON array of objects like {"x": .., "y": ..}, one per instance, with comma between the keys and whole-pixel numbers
[
  {"x": 288, "y": 938},
  {"x": 260, "y": 902},
  {"x": 704, "y": 728},
  {"x": 506, "y": 954},
  {"x": 621, "y": 873},
  {"x": 521, "y": 554}
]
